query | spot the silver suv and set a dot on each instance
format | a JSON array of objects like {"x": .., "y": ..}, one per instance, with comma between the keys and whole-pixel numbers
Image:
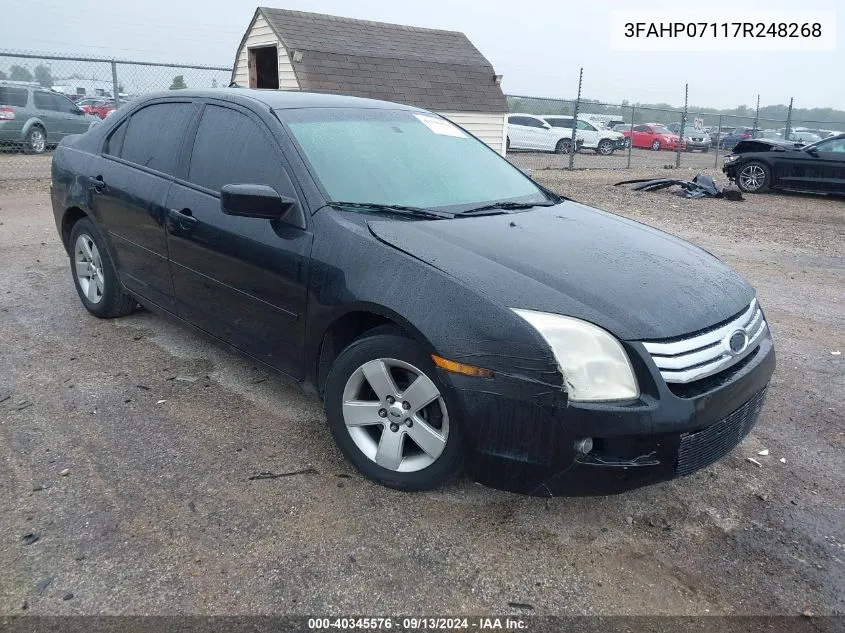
[{"x": 37, "y": 118}]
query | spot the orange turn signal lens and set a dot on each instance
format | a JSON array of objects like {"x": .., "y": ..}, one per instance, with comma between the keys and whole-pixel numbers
[{"x": 460, "y": 368}]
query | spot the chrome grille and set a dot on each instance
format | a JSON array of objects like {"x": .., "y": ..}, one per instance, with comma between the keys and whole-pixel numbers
[{"x": 710, "y": 352}]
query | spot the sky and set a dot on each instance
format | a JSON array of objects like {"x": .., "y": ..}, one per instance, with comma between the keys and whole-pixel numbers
[{"x": 538, "y": 47}]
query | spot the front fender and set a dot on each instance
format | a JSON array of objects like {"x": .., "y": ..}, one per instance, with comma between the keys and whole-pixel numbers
[{"x": 351, "y": 269}]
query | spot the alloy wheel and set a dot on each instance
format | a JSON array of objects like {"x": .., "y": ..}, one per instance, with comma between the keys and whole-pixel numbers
[
  {"x": 395, "y": 415},
  {"x": 752, "y": 177},
  {"x": 606, "y": 148},
  {"x": 37, "y": 141},
  {"x": 88, "y": 268}
]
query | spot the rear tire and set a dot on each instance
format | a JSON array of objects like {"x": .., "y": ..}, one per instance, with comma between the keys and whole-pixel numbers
[
  {"x": 94, "y": 275},
  {"x": 365, "y": 394},
  {"x": 753, "y": 177}
]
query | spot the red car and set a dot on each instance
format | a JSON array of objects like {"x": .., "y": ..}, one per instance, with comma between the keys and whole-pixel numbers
[
  {"x": 654, "y": 136},
  {"x": 99, "y": 108}
]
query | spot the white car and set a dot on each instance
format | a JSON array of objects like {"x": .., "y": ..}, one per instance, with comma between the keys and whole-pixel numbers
[
  {"x": 601, "y": 140},
  {"x": 530, "y": 132}
]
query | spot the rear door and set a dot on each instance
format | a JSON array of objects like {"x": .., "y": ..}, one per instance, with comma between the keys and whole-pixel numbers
[
  {"x": 129, "y": 185},
  {"x": 243, "y": 280}
]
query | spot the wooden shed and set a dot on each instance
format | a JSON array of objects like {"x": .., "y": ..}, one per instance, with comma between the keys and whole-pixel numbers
[{"x": 434, "y": 69}]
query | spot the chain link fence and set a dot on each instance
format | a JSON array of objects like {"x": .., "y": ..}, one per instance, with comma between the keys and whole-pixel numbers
[
  {"x": 53, "y": 89},
  {"x": 625, "y": 136},
  {"x": 542, "y": 133}
]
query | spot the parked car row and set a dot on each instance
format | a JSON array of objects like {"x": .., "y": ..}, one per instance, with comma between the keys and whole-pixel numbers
[{"x": 36, "y": 118}]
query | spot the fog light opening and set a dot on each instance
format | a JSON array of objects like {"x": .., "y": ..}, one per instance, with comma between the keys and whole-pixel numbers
[{"x": 584, "y": 445}]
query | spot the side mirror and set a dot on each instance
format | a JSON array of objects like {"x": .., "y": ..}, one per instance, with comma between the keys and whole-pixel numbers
[
  {"x": 254, "y": 201},
  {"x": 813, "y": 151}
]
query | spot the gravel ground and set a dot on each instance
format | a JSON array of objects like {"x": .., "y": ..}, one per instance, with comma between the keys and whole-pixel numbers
[{"x": 159, "y": 432}]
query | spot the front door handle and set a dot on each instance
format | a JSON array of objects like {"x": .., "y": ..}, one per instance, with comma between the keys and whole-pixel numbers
[
  {"x": 98, "y": 185},
  {"x": 184, "y": 218}
]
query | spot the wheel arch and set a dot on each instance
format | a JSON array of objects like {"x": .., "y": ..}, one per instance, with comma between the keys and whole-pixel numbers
[
  {"x": 347, "y": 325},
  {"x": 30, "y": 123},
  {"x": 71, "y": 216}
]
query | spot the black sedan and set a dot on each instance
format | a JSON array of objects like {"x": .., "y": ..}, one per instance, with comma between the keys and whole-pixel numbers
[
  {"x": 447, "y": 309},
  {"x": 757, "y": 165}
]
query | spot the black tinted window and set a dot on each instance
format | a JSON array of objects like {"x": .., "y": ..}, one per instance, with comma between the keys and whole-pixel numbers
[
  {"x": 641, "y": 128},
  {"x": 154, "y": 136},
  {"x": 115, "y": 140},
  {"x": 231, "y": 148},
  {"x": 16, "y": 97},
  {"x": 559, "y": 122}
]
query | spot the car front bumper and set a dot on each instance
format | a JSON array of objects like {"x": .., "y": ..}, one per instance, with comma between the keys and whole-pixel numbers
[
  {"x": 521, "y": 433},
  {"x": 698, "y": 145}
]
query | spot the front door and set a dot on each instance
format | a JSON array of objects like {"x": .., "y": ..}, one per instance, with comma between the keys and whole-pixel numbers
[{"x": 243, "y": 280}]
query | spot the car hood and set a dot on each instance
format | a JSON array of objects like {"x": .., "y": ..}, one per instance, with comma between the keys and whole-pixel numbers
[{"x": 632, "y": 280}]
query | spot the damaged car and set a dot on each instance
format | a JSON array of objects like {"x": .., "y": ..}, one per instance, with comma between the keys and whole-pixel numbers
[
  {"x": 758, "y": 165},
  {"x": 448, "y": 310}
]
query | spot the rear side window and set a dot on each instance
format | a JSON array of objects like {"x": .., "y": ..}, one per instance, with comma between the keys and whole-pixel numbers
[
  {"x": 231, "y": 148},
  {"x": 154, "y": 135},
  {"x": 16, "y": 97}
]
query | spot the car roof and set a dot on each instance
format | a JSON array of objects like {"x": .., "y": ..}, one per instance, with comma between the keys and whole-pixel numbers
[
  {"x": 533, "y": 116},
  {"x": 282, "y": 99}
]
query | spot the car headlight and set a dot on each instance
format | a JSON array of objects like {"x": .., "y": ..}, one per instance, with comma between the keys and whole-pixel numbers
[
  {"x": 730, "y": 158},
  {"x": 594, "y": 365}
]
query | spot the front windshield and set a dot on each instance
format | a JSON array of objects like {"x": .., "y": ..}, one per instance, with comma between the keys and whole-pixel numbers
[{"x": 400, "y": 157}]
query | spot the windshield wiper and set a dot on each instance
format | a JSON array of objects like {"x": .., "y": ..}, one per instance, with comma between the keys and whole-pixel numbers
[
  {"x": 505, "y": 206},
  {"x": 399, "y": 209}
]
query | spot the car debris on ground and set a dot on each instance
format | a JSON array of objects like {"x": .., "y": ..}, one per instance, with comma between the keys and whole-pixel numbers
[{"x": 701, "y": 186}]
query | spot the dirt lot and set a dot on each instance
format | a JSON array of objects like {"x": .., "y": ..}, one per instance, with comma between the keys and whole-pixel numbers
[{"x": 161, "y": 432}]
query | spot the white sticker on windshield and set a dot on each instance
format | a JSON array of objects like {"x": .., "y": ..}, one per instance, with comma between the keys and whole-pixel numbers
[{"x": 440, "y": 126}]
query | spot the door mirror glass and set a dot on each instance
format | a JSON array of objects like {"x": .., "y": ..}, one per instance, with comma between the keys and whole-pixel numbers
[
  {"x": 813, "y": 151},
  {"x": 254, "y": 201}
]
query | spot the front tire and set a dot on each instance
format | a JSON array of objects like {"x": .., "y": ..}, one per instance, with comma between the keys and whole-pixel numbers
[
  {"x": 93, "y": 273},
  {"x": 754, "y": 177},
  {"x": 564, "y": 146},
  {"x": 36, "y": 140},
  {"x": 606, "y": 147},
  {"x": 391, "y": 415},
  {"x": 655, "y": 145}
]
